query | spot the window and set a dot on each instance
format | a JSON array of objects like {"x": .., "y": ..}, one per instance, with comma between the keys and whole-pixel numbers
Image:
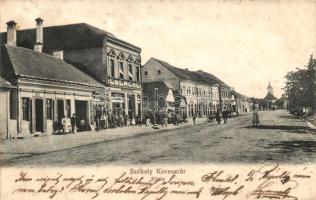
[
  {"x": 49, "y": 109},
  {"x": 146, "y": 74},
  {"x": 159, "y": 71},
  {"x": 68, "y": 108},
  {"x": 26, "y": 109},
  {"x": 13, "y": 104},
  {"x": 137, "y": 74},
  {"x": 112, "y": 67},
  {"x": 130, "y": 68},
  {"x": 121, "y": 70}
]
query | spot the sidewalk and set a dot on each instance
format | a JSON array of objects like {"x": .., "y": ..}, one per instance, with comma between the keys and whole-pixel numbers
[
  {"x": 311, "y": 122},
  {"x": 10, "y": 149}
]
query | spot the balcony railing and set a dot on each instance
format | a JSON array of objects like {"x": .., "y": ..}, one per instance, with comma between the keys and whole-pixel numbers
[{"x": 124, "y": 83}]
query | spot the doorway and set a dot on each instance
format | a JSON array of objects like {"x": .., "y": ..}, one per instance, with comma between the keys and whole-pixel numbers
[
  {"x": 39, "y": 119},
  {"x": 60, "y": 111},
  {"x": 81, "y": 108}
]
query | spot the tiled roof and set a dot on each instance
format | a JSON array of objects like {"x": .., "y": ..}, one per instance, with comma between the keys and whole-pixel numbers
[
  {"x": 210, "y": 78},
  {"x": 32, "y": 64},
  {"x": 63, "y": 37},
  {"x": 197, "y": 76},
  {"x": 4, "y": 83}
]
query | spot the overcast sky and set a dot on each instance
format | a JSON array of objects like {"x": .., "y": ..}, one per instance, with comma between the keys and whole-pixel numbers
[{"x": 245, "y": 43}]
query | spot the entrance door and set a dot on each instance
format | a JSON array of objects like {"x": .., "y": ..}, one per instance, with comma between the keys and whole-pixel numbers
[
  {"x": 81, "y": 108},
  {"x": 39, "y": 124},
  {"x": 60, "y": 111}
]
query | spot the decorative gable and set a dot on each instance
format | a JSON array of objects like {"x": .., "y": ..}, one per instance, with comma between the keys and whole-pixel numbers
[
  {"x": 130, "y": 59},
  {"x": 137, "y": 61},
  {"x": 111, "y": 53},
  {"x": 121, "y": 56}
]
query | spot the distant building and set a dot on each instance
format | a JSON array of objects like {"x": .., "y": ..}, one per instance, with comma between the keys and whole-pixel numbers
[
  {"x": 270, "y": 99},
  {"x": 203, "y": 92}
]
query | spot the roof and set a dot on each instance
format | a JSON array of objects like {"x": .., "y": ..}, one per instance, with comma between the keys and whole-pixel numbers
[
  {"x": 210, "y": 78},
  {"x": 31, "y": 64},
  {"x": 63, "y": 37},
  {"x": 5, "y": 84},
  {"x": 270, "y": 96},
  {"x": 197, "y": 76}
]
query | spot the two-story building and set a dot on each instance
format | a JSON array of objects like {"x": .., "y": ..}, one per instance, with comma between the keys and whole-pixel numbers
[
  {"x": 106, "y": 58},
  {"x": 197, "y": 92}
]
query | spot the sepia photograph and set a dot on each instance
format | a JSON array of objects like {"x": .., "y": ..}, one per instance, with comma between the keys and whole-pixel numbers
[{"x": 158, "y": 83}]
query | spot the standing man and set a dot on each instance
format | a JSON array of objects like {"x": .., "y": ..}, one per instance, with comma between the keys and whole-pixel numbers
[
  {"x": 73, "y": 123},
  {"x": 225, "y": 115},
  {"x": 218, "y": 117},
  {"x": 194, "y": 117}
]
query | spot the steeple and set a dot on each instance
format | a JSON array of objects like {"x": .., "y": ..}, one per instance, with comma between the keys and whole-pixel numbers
[{"x": 270, "y": 88}]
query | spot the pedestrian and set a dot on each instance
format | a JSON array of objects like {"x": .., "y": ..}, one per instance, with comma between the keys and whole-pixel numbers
[
  {"x": 147, "y": 121},
  {"x": 194, "y": 117},
  {"x": 218, "y": 117},
  {"x": 139, "y": 120},
  {"x": 255, "y": 118},
  {"x": 177, "y": 120},
  {"x": 133, "y": 121},
  {"x": 73, "y": 123},
  {"x": 225, "y": 115},
  {"x": 64, "y": 124}
]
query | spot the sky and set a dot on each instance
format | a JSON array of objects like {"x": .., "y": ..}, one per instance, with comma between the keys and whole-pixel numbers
[{"x": 244, "y": 43}]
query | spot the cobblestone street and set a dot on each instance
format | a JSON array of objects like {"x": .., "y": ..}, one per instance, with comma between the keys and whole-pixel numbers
[{"x": 279, "y": 138}]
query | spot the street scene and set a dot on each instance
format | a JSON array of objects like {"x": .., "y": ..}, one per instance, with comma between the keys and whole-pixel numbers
[
  {"x": 101, "y": 89},
  {"x": 280, "y": 138}
]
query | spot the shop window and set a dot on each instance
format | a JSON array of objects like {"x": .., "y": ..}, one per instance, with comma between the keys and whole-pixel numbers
[
  {"x": 49, "y": 109},
  {"x": 26, "y": 108}
]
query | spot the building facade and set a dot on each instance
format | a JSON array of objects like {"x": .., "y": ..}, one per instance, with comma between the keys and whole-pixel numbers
[
  {"x": 46, "y": 89},
  {"x": 100, "y": 54},
  {"x": 202, "y": 96}
]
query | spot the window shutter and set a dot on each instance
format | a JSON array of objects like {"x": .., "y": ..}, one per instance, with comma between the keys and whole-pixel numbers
[
  {"x": 55, "y": 119},
  {"x": 44, "y": 116},
  {"x": 33, "y": 115}
]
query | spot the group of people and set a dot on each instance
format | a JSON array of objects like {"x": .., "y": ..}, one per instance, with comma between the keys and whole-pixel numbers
[
  {"x": 114, "y": 120},
  {"x": 69, "y": 125}
]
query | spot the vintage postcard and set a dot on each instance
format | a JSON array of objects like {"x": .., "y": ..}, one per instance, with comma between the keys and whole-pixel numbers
[{"x": 158, "y": 100}]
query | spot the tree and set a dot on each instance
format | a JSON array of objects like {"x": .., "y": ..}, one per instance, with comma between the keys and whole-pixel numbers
[{"x": 301, "y": 87}]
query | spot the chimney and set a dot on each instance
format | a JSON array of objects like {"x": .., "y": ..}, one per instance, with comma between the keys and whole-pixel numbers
[
  {"x": 39, "y": 35},
  {"x": 59, "y": 54},
  {"x": 11, "y": 33}
]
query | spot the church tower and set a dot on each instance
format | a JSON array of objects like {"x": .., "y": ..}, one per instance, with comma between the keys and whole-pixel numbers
[{"x": 270, "y": 89}]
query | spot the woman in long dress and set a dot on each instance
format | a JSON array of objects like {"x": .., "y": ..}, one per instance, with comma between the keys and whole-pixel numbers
[{"x": 255, "y": 118}]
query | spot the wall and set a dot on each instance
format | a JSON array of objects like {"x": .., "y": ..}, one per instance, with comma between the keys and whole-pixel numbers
[
  {"x": 152, "y": 67},
  {"x": 92, "y": 58},
  {"x": 4, "y": 113}
]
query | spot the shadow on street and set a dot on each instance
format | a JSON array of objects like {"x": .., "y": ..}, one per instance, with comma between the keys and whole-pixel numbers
[
  {"x": 291, "y": 146},
  {"x": 290, "y": 128}
]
